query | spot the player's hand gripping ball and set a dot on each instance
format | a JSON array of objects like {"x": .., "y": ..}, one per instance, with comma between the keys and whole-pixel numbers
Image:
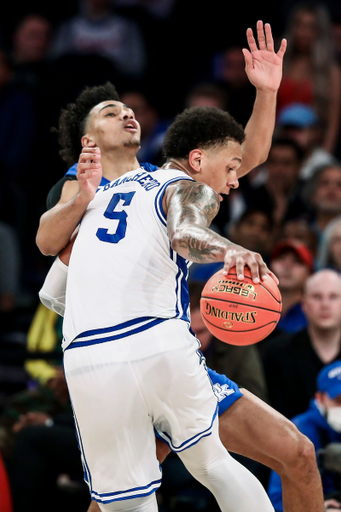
[{"x": 240, "y": 312}]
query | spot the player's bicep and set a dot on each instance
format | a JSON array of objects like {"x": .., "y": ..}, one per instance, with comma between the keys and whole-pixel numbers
[{"x": 189, "y": 202}]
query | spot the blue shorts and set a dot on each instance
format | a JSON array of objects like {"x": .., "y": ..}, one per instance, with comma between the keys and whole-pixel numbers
[{"x": 226, "y": 391}]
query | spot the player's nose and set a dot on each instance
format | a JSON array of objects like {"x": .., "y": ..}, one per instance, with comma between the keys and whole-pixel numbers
[
  {"x": 128, "y": 113},
  {"x": 233, "y": 181}
]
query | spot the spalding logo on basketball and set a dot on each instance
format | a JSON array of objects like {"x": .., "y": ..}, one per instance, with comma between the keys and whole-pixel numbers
[{"x": 240, "y": 312}]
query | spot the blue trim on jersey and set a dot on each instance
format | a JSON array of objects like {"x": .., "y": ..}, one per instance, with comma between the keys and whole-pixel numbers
[
  {"x": 115, "y": 496},
  {"x": 158, "y": 199},
  {"x": 154, "y": 321},
  {"x": 189, "y": 442},
  {"x": 149, "y": 167}
]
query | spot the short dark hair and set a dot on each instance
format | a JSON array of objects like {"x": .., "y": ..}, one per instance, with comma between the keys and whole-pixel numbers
[
  {"x": 200, "y": 127},
  {"x": 73, "y": 119}
]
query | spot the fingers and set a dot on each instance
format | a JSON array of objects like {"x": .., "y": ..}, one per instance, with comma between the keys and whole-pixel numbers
[
  {"x": 254, "y": 261},
  {"x": 251, "y": 40},
  {"x": 269, "y": 38},
  {"x": 282, "y": 48},
  {"x": 261, "y": 35}
]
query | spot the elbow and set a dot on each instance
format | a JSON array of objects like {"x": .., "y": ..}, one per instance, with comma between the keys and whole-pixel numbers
[{"x": 45, "y": 248}]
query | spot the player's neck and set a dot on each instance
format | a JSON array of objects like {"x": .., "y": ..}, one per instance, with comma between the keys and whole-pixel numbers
[
  {"x": 181, "y": 165},
  {"x": 114, "y": 165}
]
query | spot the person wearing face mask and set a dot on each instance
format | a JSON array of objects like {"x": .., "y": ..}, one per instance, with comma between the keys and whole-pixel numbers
[{"x": 321, "y": 423}]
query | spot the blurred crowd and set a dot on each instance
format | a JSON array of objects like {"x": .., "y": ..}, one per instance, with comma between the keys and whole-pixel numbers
[{"x": 164, "y": 56}]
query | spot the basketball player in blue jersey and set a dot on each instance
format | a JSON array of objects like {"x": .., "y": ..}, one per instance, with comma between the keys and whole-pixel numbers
[{"x": 273, "y": 450}]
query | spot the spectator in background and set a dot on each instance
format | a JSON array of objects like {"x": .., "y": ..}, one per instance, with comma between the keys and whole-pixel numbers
[
  {"x": 292, "y": 263},
  {"x": 253, "y": 229},
  {"x": 153, "y": 128},
  {"x": 311, "y": 73},
  {"x": 97, "y": 29},
  {"x": 292, "y": 362},
  {"x": 321, "y": 423},
  {"x": 31, "y": 39},
  {"x": 329, "y": 255},
  {"x": 229, "y": 74},
  {"x": 17, "y": 133},
  {"x": 322, "y": 194},
  {"x": 299, "y": 229},
  {"x": 300, "y": 123},
  {"x": 206, "y": 94},
  {"x": 278, "y": 187}
]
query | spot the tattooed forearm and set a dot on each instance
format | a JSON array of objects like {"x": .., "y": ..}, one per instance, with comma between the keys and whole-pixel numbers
[
  {"x": 200, "y": 245},
  {"x": 190, "y": 211}
]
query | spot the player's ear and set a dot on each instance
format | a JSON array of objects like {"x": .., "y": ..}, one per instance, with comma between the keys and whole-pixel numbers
[
  {"x": 88, "y": 141},
  {"x": 195, "y": 159}
]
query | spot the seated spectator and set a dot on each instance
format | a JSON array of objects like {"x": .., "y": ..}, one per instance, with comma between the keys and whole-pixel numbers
[
  {"x": 229, "y": 74},
  {"x": 329, "y": 255},
  {"x": 300, "y": 229},
  {"x": 31, "y": 39},
  {"x": 292, "y": 362},
  {"x": 322, "y": 194},
  {"x": 321, "y": 423},
  {"x": 301, "y": 123},
  {"x": 153, "y": 128},
  {"x": 206, "y": 94},
  {"x": 253, "y": 230},
  {"x": 278, "y": 187},
  {"x": 292, "y": 263},
  {"x": 97, "y": 29}
]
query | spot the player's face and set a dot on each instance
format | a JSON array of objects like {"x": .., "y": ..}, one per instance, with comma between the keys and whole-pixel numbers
[
  {"x": 322, "y": 302},
  {"x": 112, "y": 124},
  {"x": 219, "y": 167}
]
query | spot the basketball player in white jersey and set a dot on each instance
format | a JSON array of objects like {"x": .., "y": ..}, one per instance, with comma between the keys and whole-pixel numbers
[{"x": 247, "y": 445}]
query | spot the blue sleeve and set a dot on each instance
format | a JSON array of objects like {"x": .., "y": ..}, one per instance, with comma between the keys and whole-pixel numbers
[
  {"x": 72, "y": 171},
  {"x": 275, "y": 491}
]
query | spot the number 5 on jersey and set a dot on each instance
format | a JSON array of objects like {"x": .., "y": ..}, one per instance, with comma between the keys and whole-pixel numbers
[{"x": 121, "y": 216}]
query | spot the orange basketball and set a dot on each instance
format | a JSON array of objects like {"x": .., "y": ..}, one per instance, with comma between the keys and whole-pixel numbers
[{"x": 240, "y": 312}]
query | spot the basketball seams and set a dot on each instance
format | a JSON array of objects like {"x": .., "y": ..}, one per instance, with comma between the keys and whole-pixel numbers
[{"x": 241, "y": 304}]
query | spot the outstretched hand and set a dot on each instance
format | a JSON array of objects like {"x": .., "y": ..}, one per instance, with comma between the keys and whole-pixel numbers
[
  {"x": 263, "y": 65},
  {"x": 89, "y": 172}
]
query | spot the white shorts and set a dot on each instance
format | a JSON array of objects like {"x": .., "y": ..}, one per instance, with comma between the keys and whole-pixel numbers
[{"x": 121, "y": 391}]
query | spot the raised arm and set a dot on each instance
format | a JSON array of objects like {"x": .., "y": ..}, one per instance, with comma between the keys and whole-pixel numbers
[
  {"x": 191, "y": 207},
  {"x": 263, "y": 67},
  {"x": 57, "y": 225}
]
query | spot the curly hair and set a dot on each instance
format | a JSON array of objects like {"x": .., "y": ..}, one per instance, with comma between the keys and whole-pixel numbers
[
  {"x": 200, "y": 127},
  {"x": 73, "y": 119}
]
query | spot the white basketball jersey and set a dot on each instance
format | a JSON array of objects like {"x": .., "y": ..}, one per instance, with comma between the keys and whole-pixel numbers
[{"x": 123, "y": 274}]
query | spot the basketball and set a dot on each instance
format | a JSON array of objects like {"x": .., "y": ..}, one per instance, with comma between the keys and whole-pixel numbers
[{"x": 240, "y": 312}]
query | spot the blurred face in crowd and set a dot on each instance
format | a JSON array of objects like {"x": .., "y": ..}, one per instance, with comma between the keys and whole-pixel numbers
[
  {"x": 335, "y": 246},
  {"x": 305, "y": 31},
  {"x": 253, "y": 232},
  {"x": 233, "y": 71},
  {"x": 298, "y": 229},
  {"x": 283, "y": 166},
  {"x": 31, "y": 39},
  {"x": 322, "y": 300},
  {"x": 290, "y": 270},
  {"x": 327, "y": 197}
]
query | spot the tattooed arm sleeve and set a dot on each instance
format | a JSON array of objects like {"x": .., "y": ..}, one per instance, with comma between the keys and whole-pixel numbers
[{"x": 191, "y": 207}]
